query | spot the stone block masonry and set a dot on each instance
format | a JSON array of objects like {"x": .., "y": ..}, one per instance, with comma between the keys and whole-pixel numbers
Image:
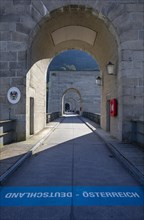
[
  {"x": 83, "y": 82},
  {"x": 26, "y": 30}
]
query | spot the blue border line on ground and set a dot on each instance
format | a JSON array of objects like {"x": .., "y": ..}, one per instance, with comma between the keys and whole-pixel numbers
[{"x": 77, "y": 195}]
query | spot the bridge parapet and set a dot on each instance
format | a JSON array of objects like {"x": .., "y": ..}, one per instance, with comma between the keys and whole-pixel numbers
[
  {"x": 52, "y": 116},
  {"x": 92, "y": 116},
  {"x": 138, "y": 132}
]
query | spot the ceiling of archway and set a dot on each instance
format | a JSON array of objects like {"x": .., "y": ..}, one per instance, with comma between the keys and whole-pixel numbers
[
  {"x": 74, "y": 30},
  {"x": 74, "y": 33}
]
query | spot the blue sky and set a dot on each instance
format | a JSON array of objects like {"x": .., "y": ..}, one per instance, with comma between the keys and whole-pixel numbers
[{"x": 73, "y": 60}]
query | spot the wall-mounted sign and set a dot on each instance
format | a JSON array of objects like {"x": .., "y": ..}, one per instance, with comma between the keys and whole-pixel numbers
[{"x": 13, "y": 95}]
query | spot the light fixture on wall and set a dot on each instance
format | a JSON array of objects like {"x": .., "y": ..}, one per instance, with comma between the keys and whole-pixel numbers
[
  {"x": 110, "y": 68},
  {"x": 99, "y": 81}
]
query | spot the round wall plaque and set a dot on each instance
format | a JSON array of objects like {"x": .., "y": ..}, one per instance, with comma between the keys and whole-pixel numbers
[{"x": 13, "y": 95}]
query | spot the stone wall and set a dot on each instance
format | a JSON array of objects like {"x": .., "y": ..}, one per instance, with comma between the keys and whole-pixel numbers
[
  {"x": 26, "y": 28},
  {"x": 36, "y": 89},
  {"x": 82, "y": 81}
]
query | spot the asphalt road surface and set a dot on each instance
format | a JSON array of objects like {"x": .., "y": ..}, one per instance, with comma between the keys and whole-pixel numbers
[{"x": 72, "y": 176}]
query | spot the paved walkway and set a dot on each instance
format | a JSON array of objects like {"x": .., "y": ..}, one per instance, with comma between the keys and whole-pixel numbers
[
  {"x": 13, "y": 155},
  {"x": 72, "y": 157},
  {"x": 130, "y": 155}
]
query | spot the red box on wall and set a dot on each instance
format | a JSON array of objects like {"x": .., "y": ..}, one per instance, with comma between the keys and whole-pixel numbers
[{"x": 113, "y": 107}]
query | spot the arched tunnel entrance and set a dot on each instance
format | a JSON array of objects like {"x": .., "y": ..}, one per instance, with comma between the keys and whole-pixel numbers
[
  {"x": 67, "y": 107},
  {"x": 73, "y": 69},
  {"x": 65, "y": 29},
  {"x": 71, "y": 101}
]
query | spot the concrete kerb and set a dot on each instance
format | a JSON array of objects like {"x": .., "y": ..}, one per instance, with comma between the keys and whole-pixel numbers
[
  {"x": 45, "y": 137},
  {"x": 16, "y": 165},
  {"x": 127, "y": 163}
]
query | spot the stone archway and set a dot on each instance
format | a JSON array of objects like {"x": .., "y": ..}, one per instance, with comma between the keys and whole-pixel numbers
[
  {"x": 84, "y": 82},
  {"x": 111, "y": 32},
  {"x": 72, "y": 97},
  {"x": 98, "y": 39}
]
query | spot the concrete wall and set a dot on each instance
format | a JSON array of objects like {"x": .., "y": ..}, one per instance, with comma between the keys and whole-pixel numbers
[{"x": 82, "y": 81}]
